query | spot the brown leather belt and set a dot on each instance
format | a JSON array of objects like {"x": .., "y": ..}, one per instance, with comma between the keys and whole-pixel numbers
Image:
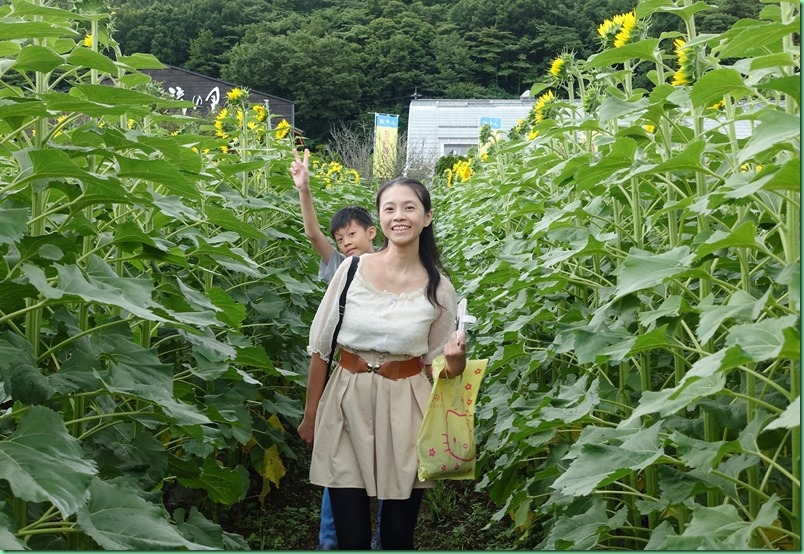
[{"x": 390, "y": 370}]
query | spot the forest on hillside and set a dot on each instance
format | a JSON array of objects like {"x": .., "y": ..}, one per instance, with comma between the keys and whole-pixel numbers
[{"x": 342, "y": 60}]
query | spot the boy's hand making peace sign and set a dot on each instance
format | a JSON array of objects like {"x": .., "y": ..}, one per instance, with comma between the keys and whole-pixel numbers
[{"x": 300, "y": 170}]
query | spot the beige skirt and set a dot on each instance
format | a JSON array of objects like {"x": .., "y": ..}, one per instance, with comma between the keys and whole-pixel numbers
[{"x": 365, "y": 434}]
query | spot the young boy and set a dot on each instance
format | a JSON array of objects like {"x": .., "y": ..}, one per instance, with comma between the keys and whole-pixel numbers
[
  {"x": 352, "y": 227},
  {"x": 353, "y": 230}
]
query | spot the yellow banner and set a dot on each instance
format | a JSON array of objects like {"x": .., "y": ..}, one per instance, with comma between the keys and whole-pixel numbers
[{"x": 385, "y": 133}]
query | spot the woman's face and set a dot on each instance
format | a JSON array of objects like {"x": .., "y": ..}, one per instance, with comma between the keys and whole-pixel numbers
[{"x": 402, "y": 215}]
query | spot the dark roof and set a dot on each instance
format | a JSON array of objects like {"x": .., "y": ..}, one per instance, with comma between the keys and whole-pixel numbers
[{"x": 207, "y": 92}]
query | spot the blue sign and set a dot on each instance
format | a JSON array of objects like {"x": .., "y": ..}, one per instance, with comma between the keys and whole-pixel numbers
[
  {"x": 493, "y": 122},
  {"x": 385, "y": 120}
]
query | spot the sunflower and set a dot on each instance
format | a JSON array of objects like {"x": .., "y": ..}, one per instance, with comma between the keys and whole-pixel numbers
[
  {"x": 450, "y": 175},
  {"x": 464, "y": 169},
  {"x": 618, "y": 30},
  {"x": 560, "y": 67},
  {"x": 59, "y": 123},
  {"x": 592, "y": 98},
  {"x": 541, "y": 107},
  {"x": 282, "y": 129},
  {"x": 683, "y": 75},
  {"x": 260, "y": 112},
  {"x": 555, "y": 67},
  {"x": 236, "y": 94},
  {"x": 88, "y": 40},
  {"x": 461, "y": 171},
  {"x": 220, "y": 120}
]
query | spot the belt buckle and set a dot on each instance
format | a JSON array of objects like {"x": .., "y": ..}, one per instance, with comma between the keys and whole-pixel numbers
[{"x": 372, "y": 368}]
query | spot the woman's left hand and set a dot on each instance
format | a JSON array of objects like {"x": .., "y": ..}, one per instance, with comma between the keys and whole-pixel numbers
[{"x": 455, "y": 354}]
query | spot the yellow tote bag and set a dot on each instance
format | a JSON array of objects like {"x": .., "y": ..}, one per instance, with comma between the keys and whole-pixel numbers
[{"x": 446, "y": 440}]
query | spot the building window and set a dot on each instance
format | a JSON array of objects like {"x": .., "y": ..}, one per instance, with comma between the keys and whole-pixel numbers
[{"x": 457, "y": 149}]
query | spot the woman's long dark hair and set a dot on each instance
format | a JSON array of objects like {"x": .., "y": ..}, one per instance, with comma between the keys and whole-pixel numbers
[{"x": 428, "y": 251}]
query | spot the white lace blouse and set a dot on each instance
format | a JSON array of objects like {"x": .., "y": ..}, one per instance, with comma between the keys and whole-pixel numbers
[{"x": 399, "y": 325}]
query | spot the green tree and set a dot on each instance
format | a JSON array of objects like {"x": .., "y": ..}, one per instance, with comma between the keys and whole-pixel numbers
[
  {"x": 325, "y": 89},
  {"x": 205, "y": 54}
]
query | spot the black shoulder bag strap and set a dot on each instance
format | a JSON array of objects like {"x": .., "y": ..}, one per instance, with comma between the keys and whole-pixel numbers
[{"x": 341, "y": 309}]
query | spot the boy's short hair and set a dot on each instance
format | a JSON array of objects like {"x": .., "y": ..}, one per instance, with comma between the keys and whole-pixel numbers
[{"x": 345, "y": 216}]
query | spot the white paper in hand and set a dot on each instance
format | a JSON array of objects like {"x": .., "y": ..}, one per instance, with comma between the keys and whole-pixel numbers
[{"x": 463, "y": 316}]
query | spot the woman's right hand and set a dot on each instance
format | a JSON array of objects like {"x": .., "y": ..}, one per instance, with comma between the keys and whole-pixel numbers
[
  {"x": 300, "y": 170},
  {"x": 306, "y": 430}
]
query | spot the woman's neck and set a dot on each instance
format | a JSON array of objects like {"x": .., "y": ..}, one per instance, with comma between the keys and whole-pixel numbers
[{"x": 402, "y": 256}]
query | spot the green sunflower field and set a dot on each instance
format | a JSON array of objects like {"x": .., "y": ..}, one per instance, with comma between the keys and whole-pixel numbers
[{"x": 632, "y": 255}]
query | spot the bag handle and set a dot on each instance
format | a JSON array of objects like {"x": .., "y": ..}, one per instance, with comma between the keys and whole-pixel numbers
[{"x": 341, "y": 309}]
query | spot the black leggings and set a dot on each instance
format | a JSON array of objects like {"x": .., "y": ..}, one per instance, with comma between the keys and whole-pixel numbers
[{"x": 351, "y": 510}]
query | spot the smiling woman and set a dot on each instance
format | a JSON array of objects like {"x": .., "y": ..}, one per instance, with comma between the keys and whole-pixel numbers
[{"x": 362, "y": 426}]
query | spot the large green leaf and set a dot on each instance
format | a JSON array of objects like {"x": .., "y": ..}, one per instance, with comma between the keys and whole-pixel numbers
[
  {"x": 26, "y": 384},
  {"x": 643, "y": 269},
  {"x": 178, "y": 153},
  {"x": 677, "y": 485},
  {"x": 161, "y": 172},
  {"x": 616, "y": 108},
  {"x": 7, "y": 539},
  {"x": 9, "y": 49},
  {"x": 98, "y": 284},
  {"x": 778, "y": 130},
  {"x": 722, "y": 528},
  {"x": 691, "y": 158},
  {"x": 592, "y": 344},
  {"x": 713, "y": 86},
  {"x": 705, "y": 455},
  {"x": 144, "y": 458},
  {"x": 37, "y": 58},
  {"x": 118, "y": 519},
  {"x": 790, "y": 418},
  {"x": 704, "y": 378},
  {"x": 764, "y": 340},
  {"x": 225, "y": 486},
  {"x": 43, "y": 463},
  {"x": 647, "y": 49},
  {"x": 619, "y": 158},
  {"x": 742, "y": 236},
  {"x": 228, "y": 220},
  {"x": 86, "y": 57},
  {"x": 790, "y": 86},
  {"x": 685, "y": 11},
  {"x": 56, "y": 164},
  {"x": 115, "y": 96},
  {"x": 198, "y": 529},
  {"x": 30, "y": 29},
  {"x": 141, "y": 61},
  {"x": 13, "y": 224},
  {"x": 231, "y": 313},
  {"x": 28, "y": 8},
  {"x": 670, "y": 307},
  {"x": 758, "y": 39},
  {"x": 139, "y": 372},
  {"x": 741, "y": 307},
  {"x": 597, "y": 464},
  {"x": 581, "y": 531},
  {"x": 16, "y": 111},
  {"x": 572, "y": 402},
  {"x": 67, "y": 103}
]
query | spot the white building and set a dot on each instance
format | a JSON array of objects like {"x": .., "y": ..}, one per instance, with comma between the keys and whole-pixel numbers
[{"x": 440, "y": 127}]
